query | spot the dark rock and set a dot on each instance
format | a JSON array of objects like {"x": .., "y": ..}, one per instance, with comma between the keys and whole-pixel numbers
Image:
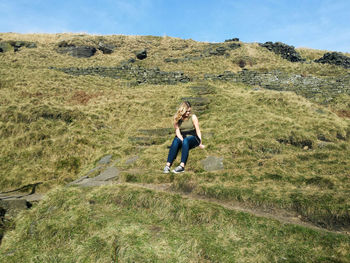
[
  {"x": 322, "y": 90},
  {"x": 340, "y": 136},
  {"x": 106, "y": 48},
  {"x": 126, "y": 71},
  {"x": 232, "y": 39},
  {"x": 335, "y": 58},
  {"x": 65, "y": 44},
  {"x": 234, "y": 45},
  {"x": 77, "y": 51},
  {"x": 241, "y": 63},
  {"x": 212, "y": 163},
  {"x": 131, "y": 60},
  {"x": 287, "y": 52},
  {"x": 301, "y": 143},
  {"x": 219, "y": 51},
  {"x": 142, "y": 54},
  {"x": 323, "y": 138}
]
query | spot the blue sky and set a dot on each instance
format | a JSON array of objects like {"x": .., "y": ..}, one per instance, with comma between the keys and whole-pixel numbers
[{"x": 322, "y": 24}]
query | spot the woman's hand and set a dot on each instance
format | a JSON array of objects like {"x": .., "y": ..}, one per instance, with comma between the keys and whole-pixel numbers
[{"x": 201, "y": 146}]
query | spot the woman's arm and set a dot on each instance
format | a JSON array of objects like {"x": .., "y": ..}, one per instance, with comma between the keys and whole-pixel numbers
[
  {"x": 177, "y": 132},
  {"x": 198, "y": 131}
]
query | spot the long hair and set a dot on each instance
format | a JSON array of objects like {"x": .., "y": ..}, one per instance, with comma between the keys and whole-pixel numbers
[{"x": 184, "y": 106}]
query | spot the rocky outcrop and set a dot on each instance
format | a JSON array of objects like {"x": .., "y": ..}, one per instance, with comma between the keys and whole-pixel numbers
[
  {"x": 285, "y": 51},
  {"x": 15, "y": 46},
  {"x": 76, "y": 51},
  {"x": 103, "y": 174},
  {"x": 232, "y": 39},
  {"x": 83, "y": 51},
  {"x": 106, "y": 48},
  {"x": 335, "y": 58},
  {"x": 129, "y": 72},
  {"x": 321, "y": 90}
]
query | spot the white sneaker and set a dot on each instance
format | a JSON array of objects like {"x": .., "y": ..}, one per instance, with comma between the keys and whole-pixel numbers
[
  {"x": 166, "y": 169},
  {"x": 178, "y": 169}
]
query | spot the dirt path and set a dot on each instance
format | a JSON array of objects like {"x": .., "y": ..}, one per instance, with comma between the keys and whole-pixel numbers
[{"x": 283, "y": 216}]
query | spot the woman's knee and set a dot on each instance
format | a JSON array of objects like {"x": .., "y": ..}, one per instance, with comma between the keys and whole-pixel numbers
[
  {"x": 176, "y": 141},
  {"x": 186, "y": 142}
]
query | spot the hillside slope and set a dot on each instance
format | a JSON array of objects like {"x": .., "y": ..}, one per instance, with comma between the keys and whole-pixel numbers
[{"x": 282, "y": 128}]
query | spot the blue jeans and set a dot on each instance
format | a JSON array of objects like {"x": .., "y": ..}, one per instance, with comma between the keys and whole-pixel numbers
[{"x": 188, "y": 143}]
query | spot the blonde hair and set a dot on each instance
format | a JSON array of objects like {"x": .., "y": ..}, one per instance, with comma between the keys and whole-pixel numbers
[{"x": 184, "y": 106}]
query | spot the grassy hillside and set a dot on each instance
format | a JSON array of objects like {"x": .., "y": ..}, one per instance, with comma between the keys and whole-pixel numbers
[
  {"x": 109, "y": 224},
  {"x": 60, "y": 114}
]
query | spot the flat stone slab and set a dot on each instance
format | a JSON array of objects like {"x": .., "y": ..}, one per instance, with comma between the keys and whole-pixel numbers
[
  {"x": 81, "y": 179},
  {"x": 90, "y": 183},
  {"x": 108, "y": 174},
  {"x": 34, "y": 197},
  {"x": 212, "y": 163},
  {"x": 132, "y": 160},
  {"x": 103, "y": 178},
  {"x": 105, "y": 160}
]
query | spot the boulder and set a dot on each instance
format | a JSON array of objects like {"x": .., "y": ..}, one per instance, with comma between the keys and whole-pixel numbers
[
  {"x": 286, "y": 52},
  {"x": 335, "y": 58},
  {"x": 106, "y": 48},
  {"x": 77, "y": 51},
  {"x": 142, "y": 54},
  {"x": 212, "y": 163}
]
